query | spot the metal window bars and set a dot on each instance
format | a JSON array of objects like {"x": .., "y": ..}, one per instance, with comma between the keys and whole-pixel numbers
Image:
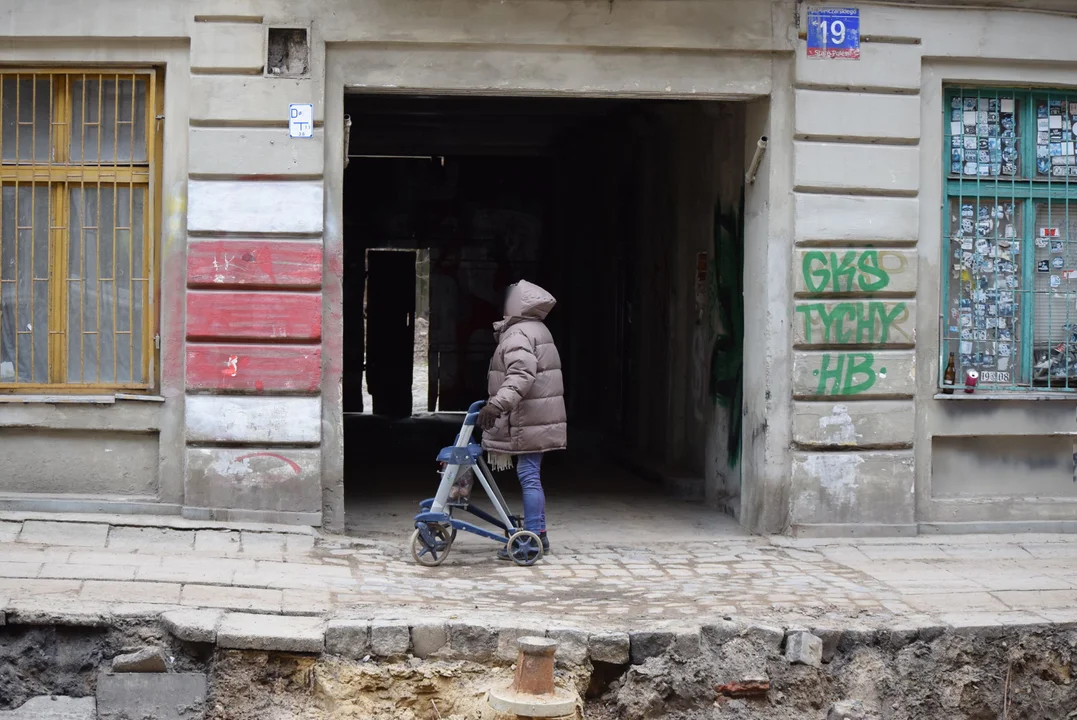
[
  {"x": 76, "y": 217},
  {"x": 1010, "y": 268}
]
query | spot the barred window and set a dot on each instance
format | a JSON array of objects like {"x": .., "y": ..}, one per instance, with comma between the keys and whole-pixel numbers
[
  {"x": 76, "y": 229},
  {"x": 1010, "y": 223}
]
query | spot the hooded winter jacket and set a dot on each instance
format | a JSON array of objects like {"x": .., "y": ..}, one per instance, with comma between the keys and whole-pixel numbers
[{"x": 525, "y": 381}]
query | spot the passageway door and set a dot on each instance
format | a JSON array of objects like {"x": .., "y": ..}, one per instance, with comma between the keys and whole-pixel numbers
[{"x": 390, "y": 311}]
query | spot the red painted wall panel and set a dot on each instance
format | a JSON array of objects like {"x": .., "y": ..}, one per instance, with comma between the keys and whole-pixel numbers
[
  {"x": 243, "y": 315},
  {"x": 259, "y": 368},
  {"x": 229, "y": 263}
]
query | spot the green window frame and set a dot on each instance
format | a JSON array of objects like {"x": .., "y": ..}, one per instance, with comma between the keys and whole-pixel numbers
[{"x": 1009, "y": 270}]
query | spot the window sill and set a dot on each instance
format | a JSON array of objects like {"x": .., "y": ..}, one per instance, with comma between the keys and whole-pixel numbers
[
  {"x": 76, "y": 399},
  {"x": 1007, "y": 396}
]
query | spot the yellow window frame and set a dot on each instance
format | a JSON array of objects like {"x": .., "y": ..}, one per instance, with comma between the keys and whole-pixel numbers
[{"x": 60, "y": 175}]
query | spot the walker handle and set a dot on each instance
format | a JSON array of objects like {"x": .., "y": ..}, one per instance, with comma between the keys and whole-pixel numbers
[{"x": 473, "y": 413}]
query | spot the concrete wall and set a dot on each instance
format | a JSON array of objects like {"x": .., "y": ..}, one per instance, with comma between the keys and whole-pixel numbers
[
  {"x": 842, "y": 429},
  {"x": 251, "y": 331},
  {"x": 876, "y": 450}
]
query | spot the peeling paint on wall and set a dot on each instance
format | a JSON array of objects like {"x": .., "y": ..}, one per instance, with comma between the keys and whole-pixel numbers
[
  {"x": 836, "y": 475},
  {"x": 838, "y": 427}
]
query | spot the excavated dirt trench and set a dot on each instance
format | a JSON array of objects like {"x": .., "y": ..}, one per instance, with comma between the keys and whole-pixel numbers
[{"x": 1017, "y": 673}]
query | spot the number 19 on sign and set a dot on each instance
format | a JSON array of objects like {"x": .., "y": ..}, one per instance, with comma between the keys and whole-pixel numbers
[{"x": 834, "y": 33}]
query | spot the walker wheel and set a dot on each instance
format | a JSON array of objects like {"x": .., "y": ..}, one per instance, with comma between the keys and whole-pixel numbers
[
  {"x": 525, "y": 548},
  {"x": 431, "y": 554}
]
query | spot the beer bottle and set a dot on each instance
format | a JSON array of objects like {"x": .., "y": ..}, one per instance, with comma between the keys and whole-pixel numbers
[{"x": 949, "y": 377}]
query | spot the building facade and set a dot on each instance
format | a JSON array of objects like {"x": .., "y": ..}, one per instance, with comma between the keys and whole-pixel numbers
[{"x": 172, "y": 327}]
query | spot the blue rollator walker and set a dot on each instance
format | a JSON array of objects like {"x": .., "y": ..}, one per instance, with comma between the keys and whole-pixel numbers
[{"x": 435, "y": 526}]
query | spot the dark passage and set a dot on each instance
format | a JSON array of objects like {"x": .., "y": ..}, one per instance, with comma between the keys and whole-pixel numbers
[{"x": 611, "y": 206}]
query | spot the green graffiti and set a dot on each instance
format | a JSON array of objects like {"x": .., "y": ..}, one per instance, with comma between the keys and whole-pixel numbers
[
  {"x": 845, "y": 323},
  {"x": 727, "y": 295},
  {"x": 847, "y": 373},
  {"x": 848, "y": 272}
]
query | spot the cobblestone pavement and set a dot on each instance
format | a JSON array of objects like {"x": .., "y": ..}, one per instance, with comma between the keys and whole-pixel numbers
[{"x": 124, "y": 565}]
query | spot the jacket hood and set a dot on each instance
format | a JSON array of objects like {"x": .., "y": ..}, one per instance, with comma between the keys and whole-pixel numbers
[{"x": 528, "y": 301}]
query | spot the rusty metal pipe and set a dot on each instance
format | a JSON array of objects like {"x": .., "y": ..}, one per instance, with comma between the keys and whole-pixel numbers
[
  {"x": 534, "y": 666},
  {"x": 532, "y": 693}
]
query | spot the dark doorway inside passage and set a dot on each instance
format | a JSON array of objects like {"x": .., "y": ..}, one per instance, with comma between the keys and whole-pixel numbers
[{"x": 626, "y": 210}]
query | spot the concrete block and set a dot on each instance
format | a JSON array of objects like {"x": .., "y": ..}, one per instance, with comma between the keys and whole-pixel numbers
[
  {"x": 278, "y": 479},
  {"x": 428, "y": 639},
  {"x": 193, "y": 625},
  {"x": 687, "y": 645},
  {"x": 237, "y": 262},
  {"x": 254, "y": 151},
  {"x": 901, "y": 635},
  {"x": 855, "y": 219},
  {"x": 768, "y": 636},
  {"x": 157, "y": 540},
  {"x": 831, "y": 638},
  {"x": 260, "y": 544},
  {"x": 507, "y": 647},
  {"x": 249, "y": 99},
  {"x": 864, "y": 487},
  {"x": 87, "y": 571},
  {"x": 253, "y": 419},
  {"x": 857, "y": 116},
  {"x": 847, "y": 166},
  {"x": 857, "y": 636},
  {"x": 281, "y": 207},
  {"x": 803, "y": 648},
  {"x": 150, "y": 659},
  {"x": 1045, "y": 463},
  {"x": 646, "y": 645},
  {"x": 103, "y": 460},
  {"x": 289, "y": 633},
  {"x": 64, "y": 612},
  {"x": 882, "y": 66},
  {"x": 245, "y": 314},
  {"x": 389, "y": 639},
  {"x": 691, "y": 28},
  {"x": 472, "y": 642},
  {"x": 847, "y": 710},
  {"x": 299, "y": 544},
  {"x": 571, "y": 645},
  {"x": 235, "y": 47},
  {"x": 613, "y": 648},
  {"x": 71, "y": 534},
  {"x": 241, "y": 599},
  {"x": 223, "y": 542},
  {"x": 106, "y": 591},
  {"x": 9, "y": 530},
  {"x": 714, "y": 635},
  {"x": 165, "y": 696},
  {"x": 518, "y": 70},
  {"x": 53, "y": 707},
  {"x": 854, "y": 322},
  {"x": 348, "y": 638},
  {"x": 819, "y": 271},
  {"x": 854, "y": 374},
  {"x": 857, "y": 424}
]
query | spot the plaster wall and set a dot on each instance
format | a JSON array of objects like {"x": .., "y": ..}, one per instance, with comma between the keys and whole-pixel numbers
[{"x": 877, "y": 451}]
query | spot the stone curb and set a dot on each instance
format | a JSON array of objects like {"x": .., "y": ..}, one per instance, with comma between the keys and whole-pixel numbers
[
  {"x": 363, "y": 639},
  {"x": 168, "y": 522},
  {"x": 488, "y": 639}
]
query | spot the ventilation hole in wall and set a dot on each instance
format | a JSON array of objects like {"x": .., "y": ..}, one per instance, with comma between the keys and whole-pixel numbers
[{"x": 288, "y": 53}]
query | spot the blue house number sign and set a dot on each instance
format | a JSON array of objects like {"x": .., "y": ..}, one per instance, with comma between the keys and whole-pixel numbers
[{"x": 834, "y": 33}]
